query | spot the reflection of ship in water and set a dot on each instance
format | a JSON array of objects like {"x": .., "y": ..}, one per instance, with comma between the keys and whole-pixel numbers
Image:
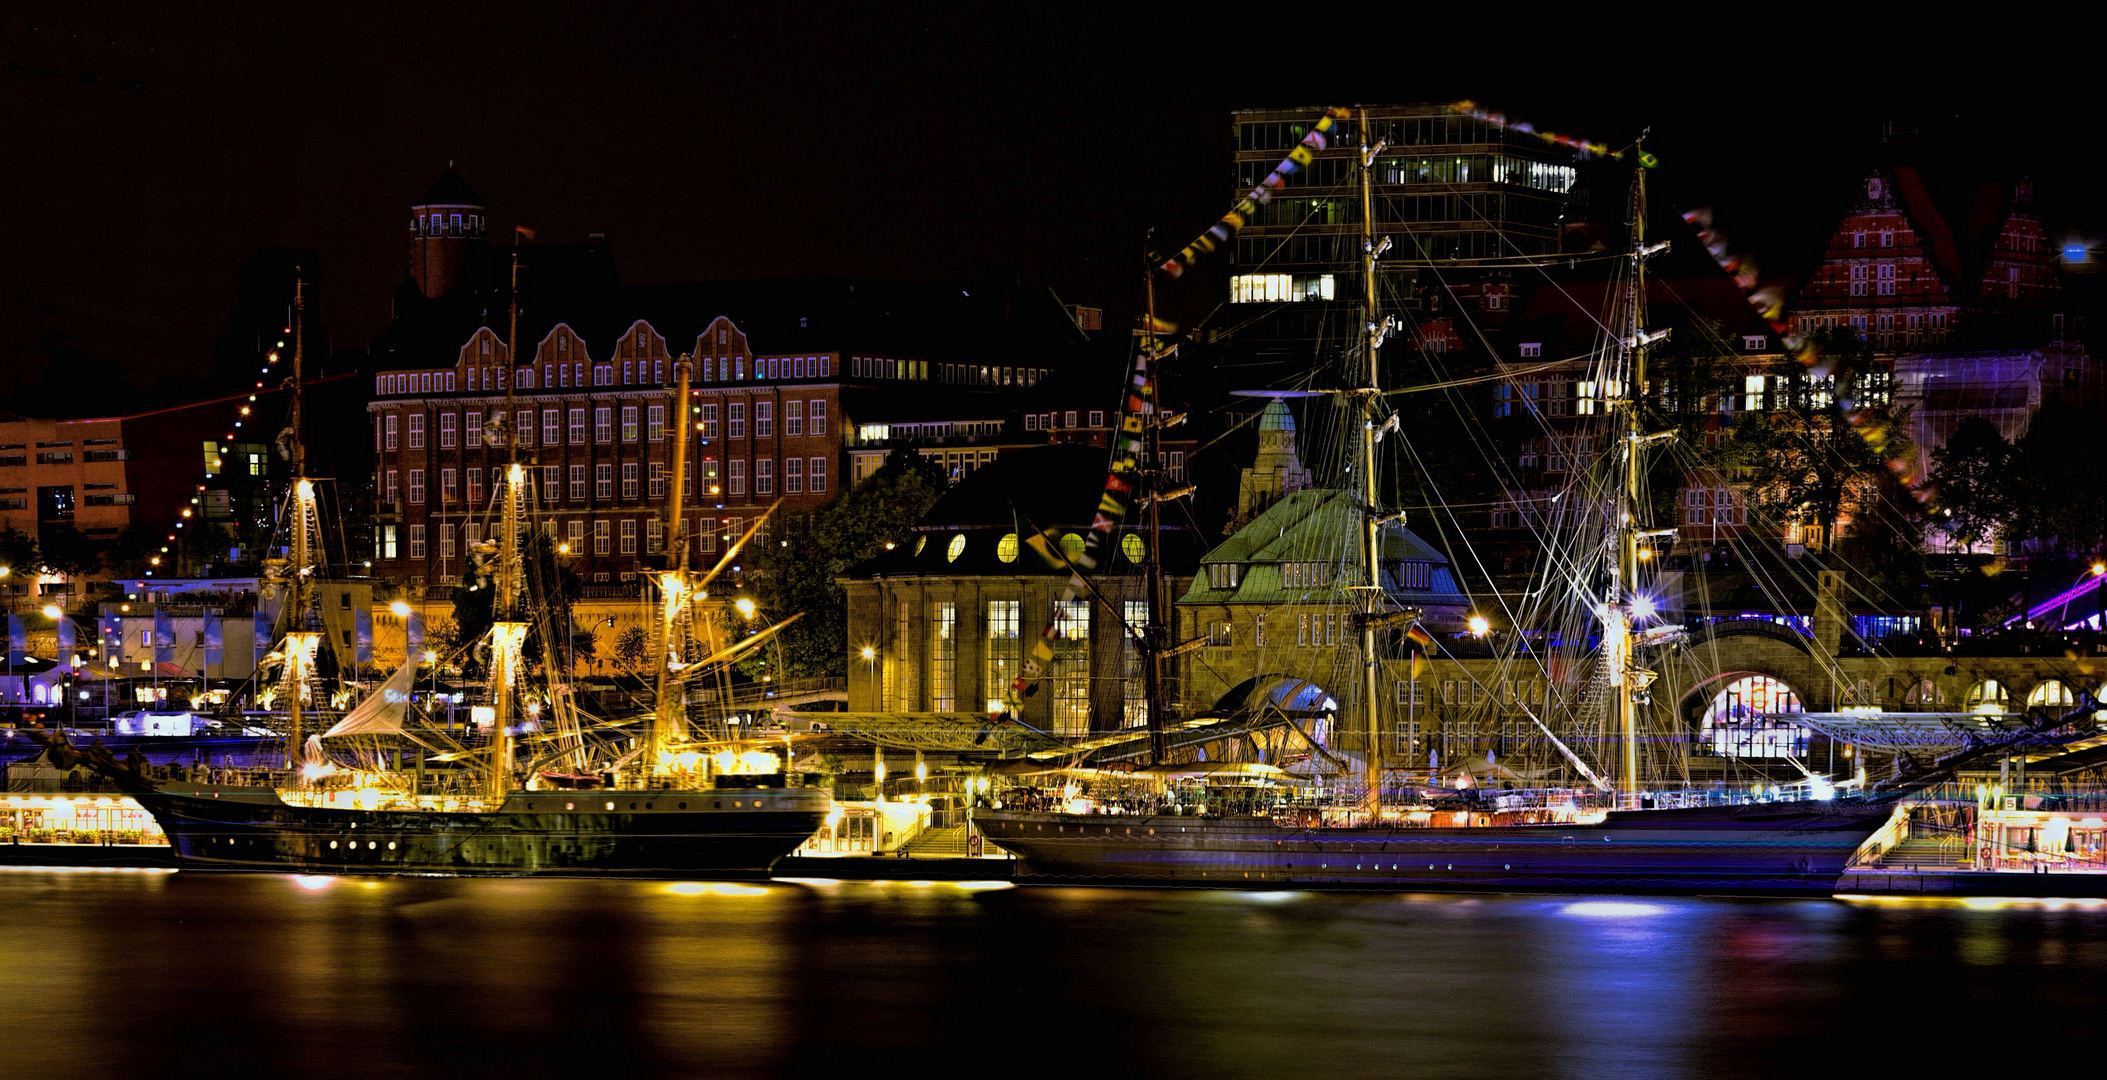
[
  {"x": 546, "y": 788},
  {"x": 1608, "y": 812}
]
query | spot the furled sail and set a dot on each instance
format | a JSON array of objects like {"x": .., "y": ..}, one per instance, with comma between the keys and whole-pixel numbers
[{"x": 382, "y": 711}]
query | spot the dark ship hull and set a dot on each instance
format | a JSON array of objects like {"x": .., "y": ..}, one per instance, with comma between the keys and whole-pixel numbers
[
  {"x": 1798, "y": 848},
  {"x": 730, "y": 832}
]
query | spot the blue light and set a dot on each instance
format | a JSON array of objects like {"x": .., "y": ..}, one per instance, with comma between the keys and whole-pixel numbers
[{"x": 2075, "y": 253}]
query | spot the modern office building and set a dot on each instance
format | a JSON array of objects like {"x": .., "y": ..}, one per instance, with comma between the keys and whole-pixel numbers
[{"x": 1450, "y": 191}]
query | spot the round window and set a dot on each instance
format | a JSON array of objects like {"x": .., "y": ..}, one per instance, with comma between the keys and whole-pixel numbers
[
  {"x": 1006, "y": 548},
  {"x": 957, "y": 548},
  {"x": 1131, "y": 547},
  {"x": 1072, "y": 546}
]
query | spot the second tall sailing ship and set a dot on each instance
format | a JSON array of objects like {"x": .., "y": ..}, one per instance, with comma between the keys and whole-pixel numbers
[{"x": 1644, "y": 840}]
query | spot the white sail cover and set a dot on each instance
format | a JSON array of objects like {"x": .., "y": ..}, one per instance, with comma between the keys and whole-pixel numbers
[{"x": 382, "y": 711}]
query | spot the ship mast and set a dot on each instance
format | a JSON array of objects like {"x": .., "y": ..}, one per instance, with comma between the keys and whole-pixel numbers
[
  {"x": 301, "y": 643},
  {"x": 507, "y": 633},
  {"x": 669, "y": 711},
  {"x": 1154, "y": 635},
  {"x": 1367, "y": 394},
  {"x": 1624, "y": 602}
]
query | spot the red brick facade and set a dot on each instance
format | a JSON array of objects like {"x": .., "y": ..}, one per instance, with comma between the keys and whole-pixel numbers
[
  {"x": 595, "y": 436},
  {"x": 1889, "y": 271}
]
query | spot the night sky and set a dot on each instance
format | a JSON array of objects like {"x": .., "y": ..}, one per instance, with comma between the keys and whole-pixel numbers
[{"x": 153, "y": 152}]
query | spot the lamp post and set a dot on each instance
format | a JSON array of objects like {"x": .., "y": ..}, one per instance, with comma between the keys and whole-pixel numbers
[{"x": 431, "y": 660}]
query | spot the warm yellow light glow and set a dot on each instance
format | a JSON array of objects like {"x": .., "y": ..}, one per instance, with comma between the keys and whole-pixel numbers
[
  {"x": 744, "y": 606},
  {"x": 869, "y": 653},
  {"x": 51, "y": 611},
  {"x": 1480, "y": 626},
  {"x": 714, "y": 888},
  {"x": 563, "y": 549},
  {"x": 400, "y": 609},
  {"x": 431, "y": 657}
]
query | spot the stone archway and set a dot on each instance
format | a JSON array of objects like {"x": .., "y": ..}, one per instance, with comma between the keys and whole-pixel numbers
[
  {"x": 1733, "y": 716},
  {"x": 1301, "y": 711}
]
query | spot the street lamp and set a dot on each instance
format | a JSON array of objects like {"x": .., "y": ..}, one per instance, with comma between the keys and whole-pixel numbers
[{"x": 431, "y": 660}]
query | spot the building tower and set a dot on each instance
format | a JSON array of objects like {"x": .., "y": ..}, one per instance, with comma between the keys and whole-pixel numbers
[
  {"x": 1277, "y": 470},
  {"x": 442, "y": 226}
]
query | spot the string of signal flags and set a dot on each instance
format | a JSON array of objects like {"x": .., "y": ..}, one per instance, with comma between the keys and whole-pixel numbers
[{"x": 1318, "y": 138}]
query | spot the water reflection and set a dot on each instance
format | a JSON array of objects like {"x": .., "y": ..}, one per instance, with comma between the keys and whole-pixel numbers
[{"x": 240, "y": 975}]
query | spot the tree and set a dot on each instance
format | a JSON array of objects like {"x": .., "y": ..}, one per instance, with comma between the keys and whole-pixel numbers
[
  {"x": 2060, "y": 461},
  {"x": 793, "y": 572},
  {"x": 66, "y": 551},
  {"x": 132, "y": 554},
  {"x": 1974, "y": 477},
  {"x": 18, "y": 552},
  {"x": 630, "y": 647},
  {"x": 1823, "y": 447}
]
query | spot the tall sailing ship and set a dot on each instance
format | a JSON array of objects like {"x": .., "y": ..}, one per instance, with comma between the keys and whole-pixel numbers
[
  {"x": 587, "y": 796},
  {"x": 1625, "y": 830}
]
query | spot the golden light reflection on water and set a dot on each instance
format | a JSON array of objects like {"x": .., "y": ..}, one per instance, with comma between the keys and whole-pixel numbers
[{"x": 264, "y": 975}]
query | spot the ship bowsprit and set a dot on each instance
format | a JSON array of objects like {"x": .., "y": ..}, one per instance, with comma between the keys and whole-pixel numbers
[{"x": 656, "y": 833}]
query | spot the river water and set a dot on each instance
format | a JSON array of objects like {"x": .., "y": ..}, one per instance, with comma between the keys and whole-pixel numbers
[{"x": 129, "y": 974}]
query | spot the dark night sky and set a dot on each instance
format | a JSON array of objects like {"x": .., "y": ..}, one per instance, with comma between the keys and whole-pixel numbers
[{"x": 873, "y": 139}]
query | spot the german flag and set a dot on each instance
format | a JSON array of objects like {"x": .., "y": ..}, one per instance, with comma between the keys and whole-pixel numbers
[{"x": 1420, "y": 637}]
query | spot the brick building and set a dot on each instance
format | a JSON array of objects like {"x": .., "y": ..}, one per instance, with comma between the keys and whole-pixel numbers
[
  {"x": 788, "y": 377},
  {"x": 1896, "y": 273}
]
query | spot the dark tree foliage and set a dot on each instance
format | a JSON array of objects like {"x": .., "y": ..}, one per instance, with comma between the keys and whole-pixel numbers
[
  {"x": 65, "y": 550},
  {"x": 1975, "y": 481},
  {"x": 1823, "y": 446},
  {"x": 630, "y": 647},
  {"x": 132, "y": 554},
  {"x": 18, "y": 552},
  {"x": 2060, "y": 501},
  {"x": 793, "y": 571}
]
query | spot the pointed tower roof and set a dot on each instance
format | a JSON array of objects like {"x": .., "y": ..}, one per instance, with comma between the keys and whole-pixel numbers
[{"x": 451, "y": 190}]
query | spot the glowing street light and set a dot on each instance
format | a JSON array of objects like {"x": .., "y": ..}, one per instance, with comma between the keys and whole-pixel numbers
[
  {"x": 401, "y": 609},
  {"x": 52, "y": 611},
  {"x": 1480, "y": 626},
  {"x": 745, "y": 608},
  {"x": 1642, "y": 607}
]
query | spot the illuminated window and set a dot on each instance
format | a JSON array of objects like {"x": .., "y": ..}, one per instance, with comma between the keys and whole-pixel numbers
[
  {"x": 1003, "y": 641},
  {"x": 1743, "y": 720},
  {"x": 1989, "y": 696},
  {"x": 2051, "y": 694}
]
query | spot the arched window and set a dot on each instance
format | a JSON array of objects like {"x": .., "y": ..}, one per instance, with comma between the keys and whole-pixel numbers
[
  {"x": 1741, "y": 720},
  {"x": 1924, "y": 694},
  {"x": 1989, "y": 696},
  {"x": 2051, "y": 694}
]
